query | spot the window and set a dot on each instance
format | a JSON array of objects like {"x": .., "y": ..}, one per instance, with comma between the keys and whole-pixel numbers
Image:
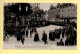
[
  {"x": 73, "y": 8},
  {"x": 69, "y": 8},
  {"x": 26, "y": 8},
  {"x": 19, "y": 7}
]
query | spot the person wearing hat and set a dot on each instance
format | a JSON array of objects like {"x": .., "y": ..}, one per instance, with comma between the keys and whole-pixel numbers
[{"x": 44, "y": 38}]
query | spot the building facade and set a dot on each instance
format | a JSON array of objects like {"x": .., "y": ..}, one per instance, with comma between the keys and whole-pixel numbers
[
  {"x": 53, "y": 12},
  {"x": 64, "y": 12},
  {"x": 15, "y": 17},
  {"x": 69, "y": 11}
]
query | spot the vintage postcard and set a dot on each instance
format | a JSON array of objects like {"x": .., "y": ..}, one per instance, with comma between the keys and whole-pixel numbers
[{"x": 40, "y": 26}]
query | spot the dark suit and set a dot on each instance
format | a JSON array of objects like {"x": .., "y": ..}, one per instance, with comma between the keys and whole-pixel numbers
[
  {"x": 36, "y": 37},
  {"x": 44, "y": 38}
]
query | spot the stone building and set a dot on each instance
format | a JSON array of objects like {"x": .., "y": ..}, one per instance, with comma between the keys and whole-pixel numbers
[
  {"x": 15, "y": 15},
  {"x": 68, "y": 11},
  {"x": 63, "y": 12}
]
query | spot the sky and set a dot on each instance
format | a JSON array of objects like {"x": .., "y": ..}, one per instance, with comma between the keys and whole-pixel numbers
[{"x": 46, "y": 6}]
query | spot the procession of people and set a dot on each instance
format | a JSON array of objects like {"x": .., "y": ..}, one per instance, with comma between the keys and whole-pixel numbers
[{"x": 59, "y": 34}]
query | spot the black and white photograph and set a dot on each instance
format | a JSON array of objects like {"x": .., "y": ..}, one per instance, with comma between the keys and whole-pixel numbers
[{"x": 40, "y": 26}]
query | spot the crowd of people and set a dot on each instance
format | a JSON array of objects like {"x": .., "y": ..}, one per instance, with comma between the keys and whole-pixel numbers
[
  {"x": 71, "y": 36},
  {"x": 69, "y": 32}
]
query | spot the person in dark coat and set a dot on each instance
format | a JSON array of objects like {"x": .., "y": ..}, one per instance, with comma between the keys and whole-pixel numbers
[
  {"x": 26, "y": 33},
  {"x": 36, "y": 37},
  {"x": 58, "y": 35},
  {"x": 61, "y": 43},
  {"x": 69, "y": 40},
  {"x": 50, "y": 34},
  {"x": 66, "y": 42},
  {"x": 74, "y": 37},
  {"x": 44, "y": 38},
  {"x": 22, "y": 40},
  {"x": 22, "y": 37},
  {"x": 18, "y": 37},
  {"x": 53, "y": 36}
]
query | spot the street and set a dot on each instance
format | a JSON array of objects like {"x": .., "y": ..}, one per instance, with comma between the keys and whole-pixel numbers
[{"x": 29, "y": 43}]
